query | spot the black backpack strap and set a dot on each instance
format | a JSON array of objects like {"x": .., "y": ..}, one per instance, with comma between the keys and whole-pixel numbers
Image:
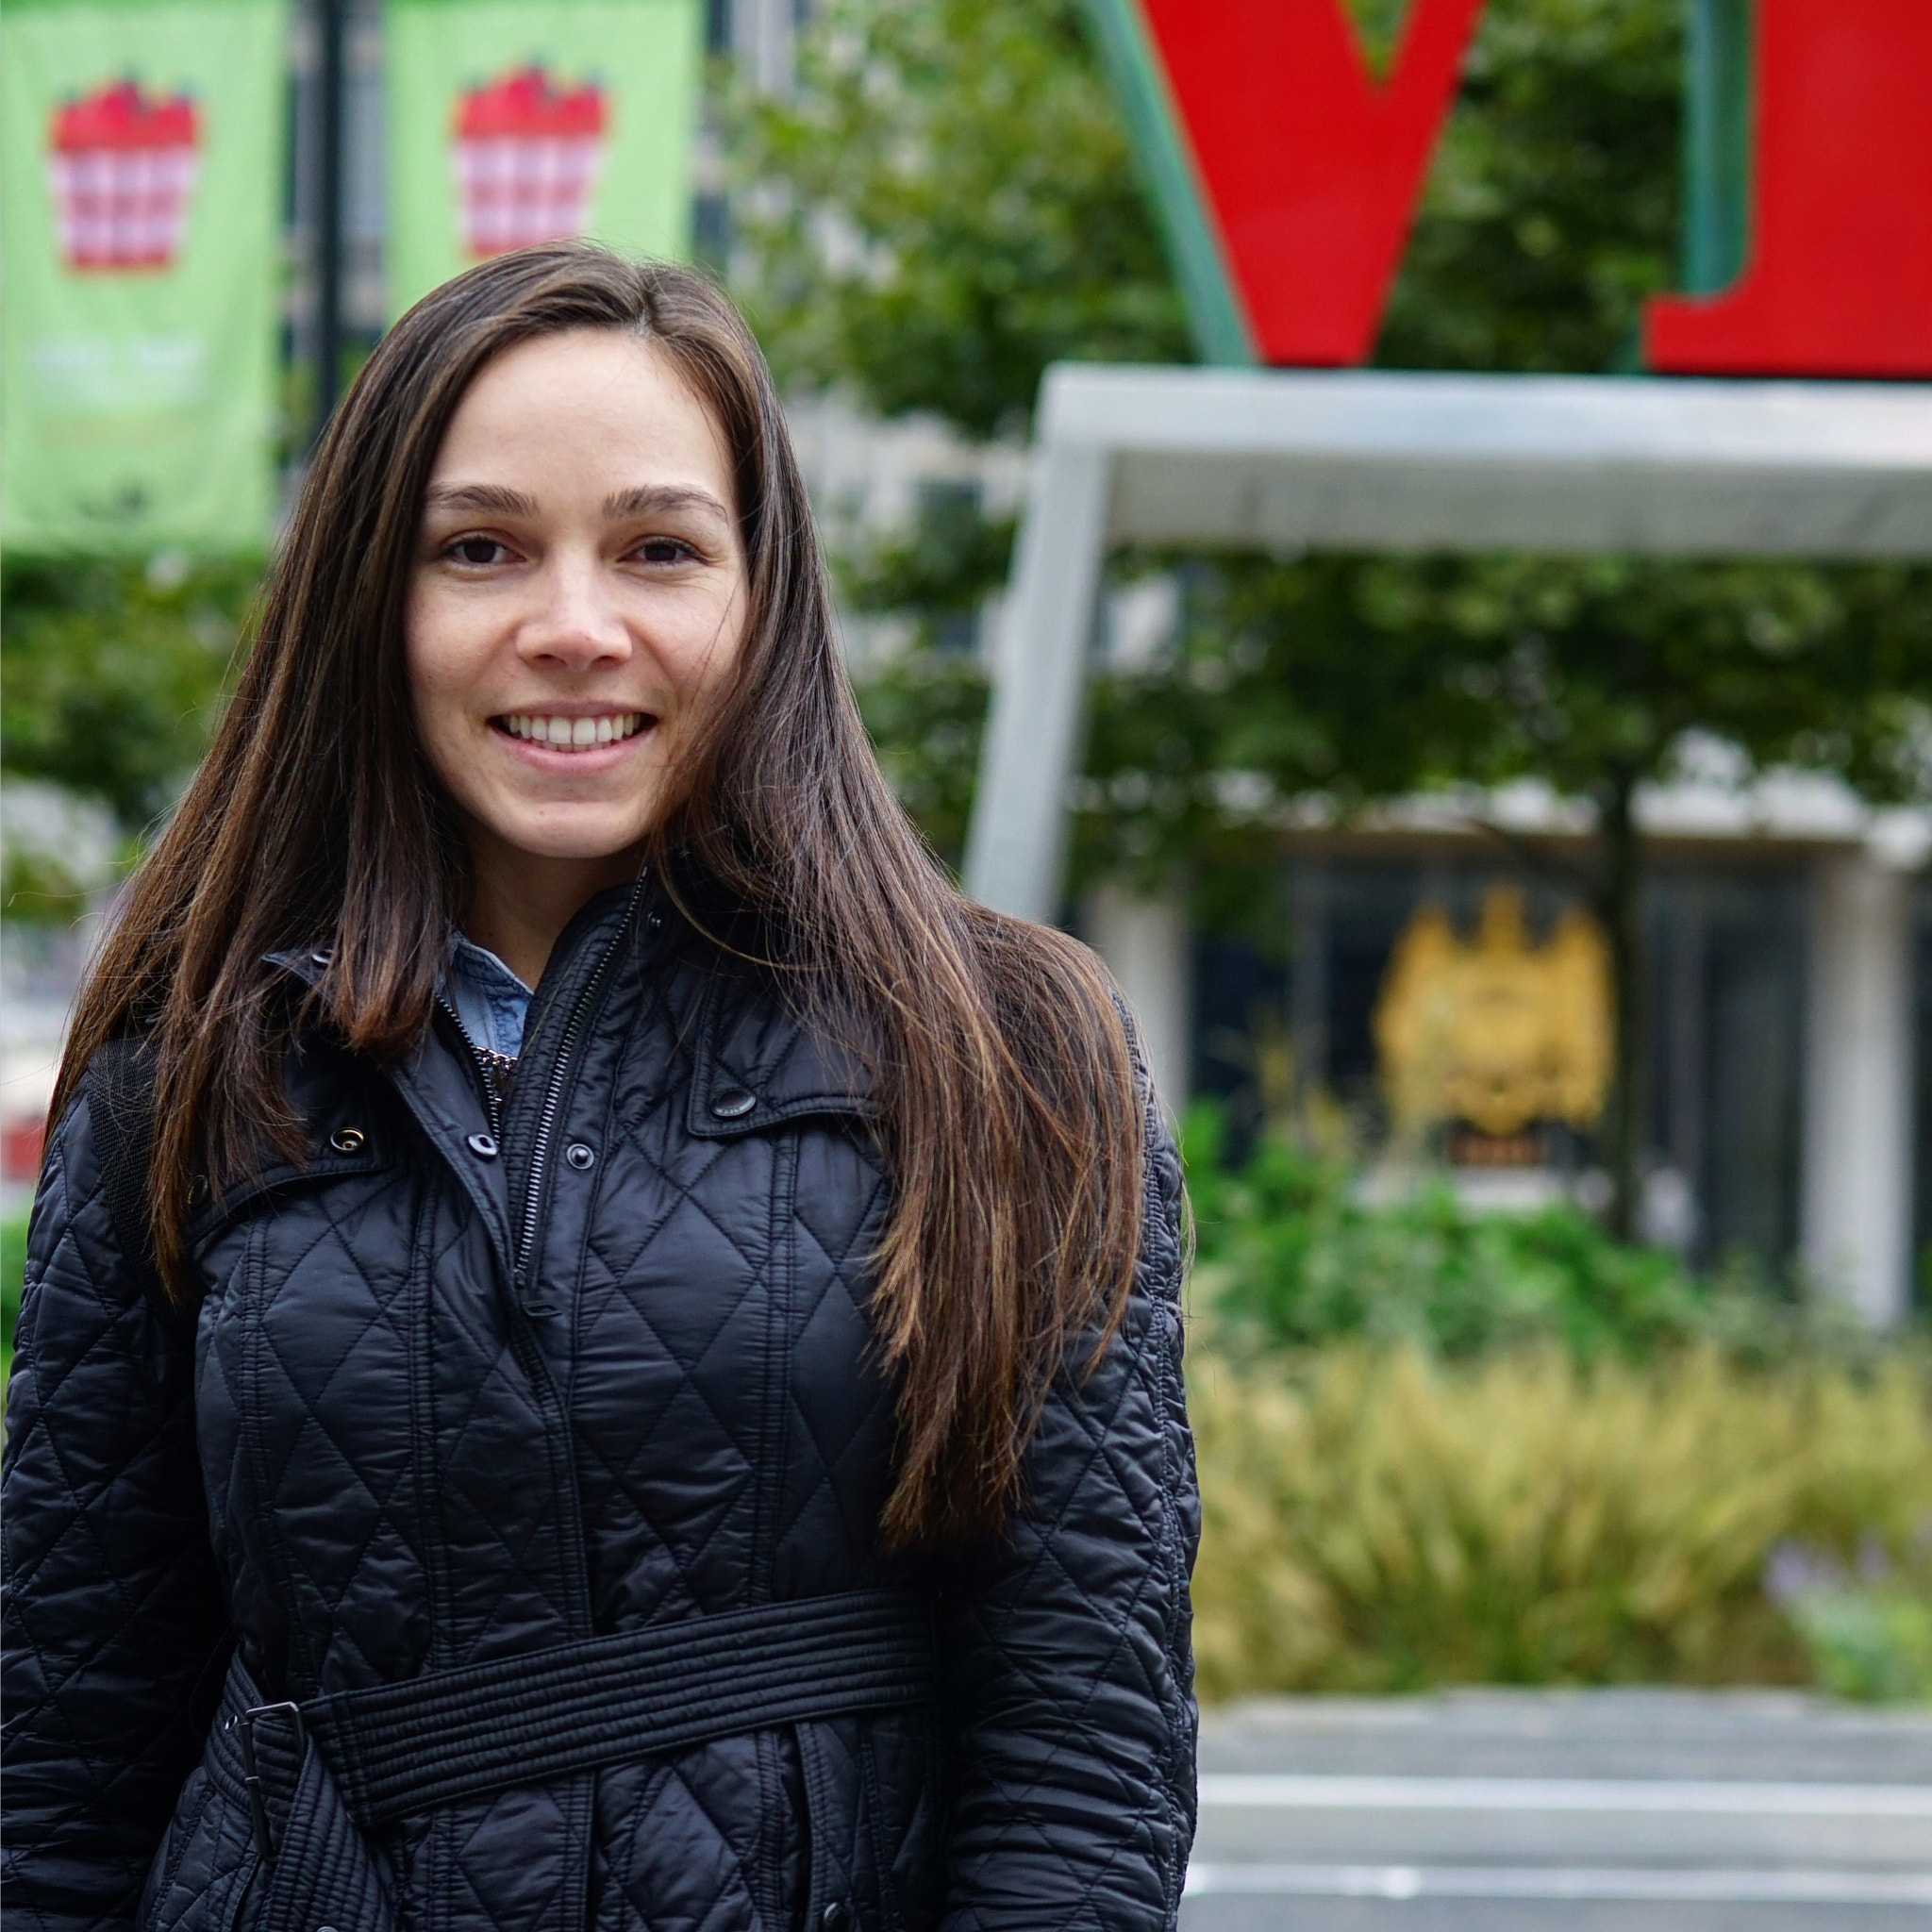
[{"x": 120, "y": 1087}]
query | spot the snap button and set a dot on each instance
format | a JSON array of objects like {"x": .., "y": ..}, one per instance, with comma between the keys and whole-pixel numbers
[
  {"x": 483, "y": 1146},
  {"x": 579, "y": 1155},
  {"x": 733, "y": 1103},
  {"x": 836, "y": 1917},
  {"x": 347, "y": 1140},
  {"x": 321, "y": 958}
]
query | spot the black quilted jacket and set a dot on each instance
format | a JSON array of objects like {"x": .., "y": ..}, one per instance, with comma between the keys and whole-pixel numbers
[{"x": 376, "y": 1456}]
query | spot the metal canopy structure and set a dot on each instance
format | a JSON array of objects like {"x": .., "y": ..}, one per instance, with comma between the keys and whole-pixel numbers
[{"x": 1288, "y": 460}]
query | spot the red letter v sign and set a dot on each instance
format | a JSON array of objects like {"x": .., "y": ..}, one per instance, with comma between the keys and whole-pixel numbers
[{"x": 1310, "y": 166}]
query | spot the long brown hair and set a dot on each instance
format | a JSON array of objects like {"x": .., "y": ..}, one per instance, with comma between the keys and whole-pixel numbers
[{"x": 1011, "y": 1124}]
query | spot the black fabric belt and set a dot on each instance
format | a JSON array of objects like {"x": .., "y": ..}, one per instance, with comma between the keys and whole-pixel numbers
[{"x": 451, "y": 1735}]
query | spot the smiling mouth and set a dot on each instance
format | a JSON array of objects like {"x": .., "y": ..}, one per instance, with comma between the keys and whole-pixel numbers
[{"x": 572, "y": 734}]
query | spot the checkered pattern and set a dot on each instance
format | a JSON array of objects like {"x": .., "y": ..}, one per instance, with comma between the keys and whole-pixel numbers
[
  {"x": 121, "y": 208},
  {"x": 514, "y": 190}
]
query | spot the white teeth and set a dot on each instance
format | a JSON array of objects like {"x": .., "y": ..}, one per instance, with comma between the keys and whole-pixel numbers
[{"x": 610, "y": 729}]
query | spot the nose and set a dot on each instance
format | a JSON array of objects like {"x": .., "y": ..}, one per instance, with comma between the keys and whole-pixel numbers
[{"x": 576, "y": 624}]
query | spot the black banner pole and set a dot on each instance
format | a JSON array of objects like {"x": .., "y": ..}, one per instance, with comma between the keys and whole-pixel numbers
[{"x": 332, "y": 24}]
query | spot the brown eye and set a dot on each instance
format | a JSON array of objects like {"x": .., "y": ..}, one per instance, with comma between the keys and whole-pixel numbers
[
  {"x": 476, "y": 550},
  {"x": 665, "y": 550}
]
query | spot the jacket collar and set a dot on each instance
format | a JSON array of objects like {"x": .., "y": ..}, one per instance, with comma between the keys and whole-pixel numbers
[{"x": 758, "y": 1064}]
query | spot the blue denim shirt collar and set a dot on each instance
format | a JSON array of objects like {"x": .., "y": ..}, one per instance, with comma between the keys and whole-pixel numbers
[{"x": 490, "y": 1001}]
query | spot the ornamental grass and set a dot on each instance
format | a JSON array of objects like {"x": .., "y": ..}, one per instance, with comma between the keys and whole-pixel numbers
[{"x": 1379, "y": 1519}]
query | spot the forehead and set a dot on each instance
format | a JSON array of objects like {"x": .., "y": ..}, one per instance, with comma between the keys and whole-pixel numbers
[{"x": 606, "y": 408}]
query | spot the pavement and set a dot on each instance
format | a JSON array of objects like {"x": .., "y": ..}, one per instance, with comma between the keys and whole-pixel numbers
[{"x": 1639, "y": 1810}]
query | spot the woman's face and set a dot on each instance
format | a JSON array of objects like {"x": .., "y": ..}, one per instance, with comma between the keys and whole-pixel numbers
[{"x": 578, "y": 595}]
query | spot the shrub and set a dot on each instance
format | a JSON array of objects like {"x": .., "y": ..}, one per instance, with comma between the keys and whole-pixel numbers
[
  {"x": 1376, "y": 1519},
  {"x": 1868, "y": 1632},
  {"x": 1291, "y": 1255},
  {"x": 116, "y": 671}
]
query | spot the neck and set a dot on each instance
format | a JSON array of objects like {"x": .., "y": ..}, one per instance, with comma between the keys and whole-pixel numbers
[{"x": 523, "y": 900}]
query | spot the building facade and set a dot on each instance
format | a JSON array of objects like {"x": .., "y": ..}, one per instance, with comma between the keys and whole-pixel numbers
[{"x": 1788, "y": 1057}]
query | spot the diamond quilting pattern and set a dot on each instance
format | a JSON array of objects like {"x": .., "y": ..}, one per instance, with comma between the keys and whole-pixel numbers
[
  {"x": 109, "y": 1583},
  {"x": 401, "y": 1471},
  {"x": 684, "y": 1844},
  {"x": 318, "y": 1361}
]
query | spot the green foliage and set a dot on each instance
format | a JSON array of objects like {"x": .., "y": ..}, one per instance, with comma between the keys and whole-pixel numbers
[
  {"x": 944, "y": 205},
  {"x": 1866, "y": 1627},
  {"x": 1439, "y": 1446},
  {"x": 1359, "y": 677},
  {"x": 941, "y": 570},
  {"x": 948, "y": 203},
  {"x": 1550, "y": 212},
  {"x": 1378, "y": 25},
  {"x": 1292, "y": 1255},
  {"x": 1874, "y": 1644},
  {"x": 1377, "y": 1520},
  {"x": 37, "y": 887},
  {"x": 925, "y": 713},
  {"x": 114, "y": 673},
  {"x": 12, "y": 1274},
  {"x": 1289, "y": 678}
]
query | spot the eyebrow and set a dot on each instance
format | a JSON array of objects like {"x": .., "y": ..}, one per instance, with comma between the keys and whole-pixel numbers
[
  {"x": 488, "y": 497},
  {"x": 657, "y": 498},
  {"x": 648, "y": 499}
]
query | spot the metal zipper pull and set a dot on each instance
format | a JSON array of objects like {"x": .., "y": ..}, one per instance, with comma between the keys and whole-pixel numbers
[{"x": 494, "y": 1103}]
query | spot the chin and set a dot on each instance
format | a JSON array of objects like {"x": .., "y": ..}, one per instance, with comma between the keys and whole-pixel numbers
[{"x": 581, "y": 841}]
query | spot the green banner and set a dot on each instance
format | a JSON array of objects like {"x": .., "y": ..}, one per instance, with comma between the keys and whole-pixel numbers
[
  {"x": 140, "y": 178},
  {"x": 519, "y": 121}
]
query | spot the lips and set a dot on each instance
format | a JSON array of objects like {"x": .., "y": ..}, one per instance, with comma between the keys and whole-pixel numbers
[{"x": 573, "y": 733}]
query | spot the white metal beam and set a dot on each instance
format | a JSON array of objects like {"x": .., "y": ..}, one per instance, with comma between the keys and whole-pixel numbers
[
  {"x": 1505, "y": 463},
  {"x": 1015, "y": 845},
  {"x": 1373, "y": 460}
]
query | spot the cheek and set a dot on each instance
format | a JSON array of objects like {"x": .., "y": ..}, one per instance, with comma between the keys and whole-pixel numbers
[
  {"x": 708, "y": 655},
  {"x": 435, "y": 659}
]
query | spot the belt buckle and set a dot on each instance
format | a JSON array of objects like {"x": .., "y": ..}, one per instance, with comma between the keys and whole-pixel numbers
[{"x": 258, "y": 1804}]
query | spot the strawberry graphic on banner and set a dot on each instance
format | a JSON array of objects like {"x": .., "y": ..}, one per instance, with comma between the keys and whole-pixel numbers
[
  {"x": 510, "y": 123},
  {"x": 528, "y": 153},
  {"x": 140, "y": 310},
  {"x": 121, "y": 168}
]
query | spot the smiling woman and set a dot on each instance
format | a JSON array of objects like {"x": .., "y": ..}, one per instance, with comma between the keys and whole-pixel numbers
[
  {"x": 579, "y": 599},
  {"x": 600, "y": 1347}
]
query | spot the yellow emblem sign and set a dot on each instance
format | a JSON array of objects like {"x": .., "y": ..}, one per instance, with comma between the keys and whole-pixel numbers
[{"x": 1496, "y": 1030}]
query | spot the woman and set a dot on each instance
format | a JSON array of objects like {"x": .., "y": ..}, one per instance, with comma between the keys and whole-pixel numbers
[{"x": 700, "y": 1444}]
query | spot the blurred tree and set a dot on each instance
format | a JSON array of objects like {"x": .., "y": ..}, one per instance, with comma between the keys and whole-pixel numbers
[
  {"x": 1550, "y": 212},
  {"x": 1355, "y": 678},
  {"x": 116, "y": 671},
  {"x": 944, "y": 205},
  {"x": 947, "y": 204}
]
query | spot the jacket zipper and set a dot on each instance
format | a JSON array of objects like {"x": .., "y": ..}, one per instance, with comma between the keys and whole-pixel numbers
[
  {"x": 552, "y": 1094},
  {"x": 492, "y": 1101}
]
